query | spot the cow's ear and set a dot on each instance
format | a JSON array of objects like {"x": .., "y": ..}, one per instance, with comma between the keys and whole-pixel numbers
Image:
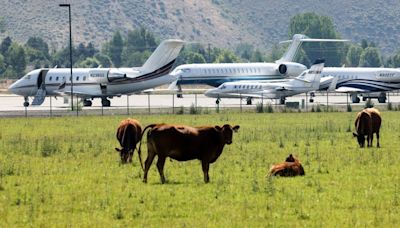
[
  {"x": 218, "y": 128},
  {"x": 355, "y": 134},
  {"x": 236, "y": 128},
  {"x": 117, "y": 149}
]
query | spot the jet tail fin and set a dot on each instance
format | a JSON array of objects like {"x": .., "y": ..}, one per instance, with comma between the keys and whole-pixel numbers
[
  {"x": 313, "y": 75},
  {"x": 163, "y": 57},
  {"x": 296, "y": 42}
]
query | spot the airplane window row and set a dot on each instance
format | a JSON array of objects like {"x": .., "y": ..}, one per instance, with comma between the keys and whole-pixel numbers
[
  {"x": 232, "y": 71},
  {"x": 57, "y": 78},
  {"x": 247, "y": 87}
]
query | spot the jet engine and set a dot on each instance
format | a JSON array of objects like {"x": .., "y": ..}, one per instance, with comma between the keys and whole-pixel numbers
[
  {"x": 115, "y": 74},
  {"x": 291, "y": 69}
]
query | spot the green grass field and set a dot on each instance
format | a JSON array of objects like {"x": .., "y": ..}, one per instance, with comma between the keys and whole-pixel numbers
[{"x": 65, "y": 172}]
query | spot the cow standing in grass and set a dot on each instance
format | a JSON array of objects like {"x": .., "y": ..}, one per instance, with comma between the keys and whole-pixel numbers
[
  {"x": 185, "y": 143},
  {"x": 368, "y": 122},
  {"x": 291, "y": 167},
  {"x": 129, "y": 133}
]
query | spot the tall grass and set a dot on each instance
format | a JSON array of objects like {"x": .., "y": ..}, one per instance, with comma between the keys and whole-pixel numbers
[{"x": 65, "y": 172}]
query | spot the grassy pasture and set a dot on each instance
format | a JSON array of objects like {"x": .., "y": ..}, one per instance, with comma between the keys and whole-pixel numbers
[{"x": 65, "y": 172}]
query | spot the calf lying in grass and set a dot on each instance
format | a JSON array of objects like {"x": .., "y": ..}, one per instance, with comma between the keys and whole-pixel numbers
[{"x": 290, "y": 168}]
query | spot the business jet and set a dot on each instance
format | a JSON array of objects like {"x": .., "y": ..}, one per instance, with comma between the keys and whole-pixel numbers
[
  {"x": 364, "y": 81},
  {"x": 214, "y": 74},
  {"x": 90, "y": 83},
  {"x": 307, "y": 81}
]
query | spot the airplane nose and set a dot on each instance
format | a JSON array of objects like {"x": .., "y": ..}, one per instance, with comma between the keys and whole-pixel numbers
[
  {"x": 11, "y": 88},
  {"x": 211, "y": 93}
]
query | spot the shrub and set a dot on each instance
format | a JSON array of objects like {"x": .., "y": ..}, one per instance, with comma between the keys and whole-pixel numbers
[{"x": 259, "y": 108}]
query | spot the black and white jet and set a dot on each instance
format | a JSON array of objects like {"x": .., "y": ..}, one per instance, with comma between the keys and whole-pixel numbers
[{"x": 104, "y": 83}]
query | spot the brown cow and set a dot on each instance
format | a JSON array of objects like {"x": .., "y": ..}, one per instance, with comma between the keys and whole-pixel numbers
[
  {"x": 129, "y": 133},
  {"x": 291, "y": 167},
  {"x": 368, "y": 122},
  {"x": 185, "y": 143}
]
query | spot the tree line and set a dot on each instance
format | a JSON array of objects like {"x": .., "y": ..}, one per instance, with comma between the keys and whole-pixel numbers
[{"x": 133, "y": 48}]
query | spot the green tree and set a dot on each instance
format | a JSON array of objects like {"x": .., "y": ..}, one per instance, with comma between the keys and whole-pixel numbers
[
  {"x": 353, "y": 55},
  {"x": 114, "y": 49},
  {"x": 244, "y": 51},
  {"x": 395, "y": 60},
  {"x": 5, "y": 45},
  {"x": 370, "y": 57},
  {"x": 16, "y": 58},
  {"x": 316, "y": 26},
  {"x": 257, "y": 56},
  {"x": 89, "y": 62},
  {"x": 103, "y": 60},
  {"x": 364, "y": 43},
  {"x": 2, "y": 64},
  {"x": 227, "y": 57},
  {"x": 138, "y": 40}
]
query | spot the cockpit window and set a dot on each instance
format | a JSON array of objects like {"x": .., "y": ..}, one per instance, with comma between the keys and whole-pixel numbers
[{"x": 222, "y": 86}]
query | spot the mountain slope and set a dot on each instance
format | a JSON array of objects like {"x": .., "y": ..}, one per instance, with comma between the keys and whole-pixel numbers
[{"x": 223, "y": 23}]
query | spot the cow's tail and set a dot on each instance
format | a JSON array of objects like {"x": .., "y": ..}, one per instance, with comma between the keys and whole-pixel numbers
[{"x": 140, "y": 144}]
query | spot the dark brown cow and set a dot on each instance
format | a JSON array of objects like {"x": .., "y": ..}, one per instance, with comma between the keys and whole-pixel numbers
[
  {"x": 368, "y": 122},
  {"x": 129, "y": 133},
  {"x": 185, "y": 143},
  {"x": 291, "y": 167}
]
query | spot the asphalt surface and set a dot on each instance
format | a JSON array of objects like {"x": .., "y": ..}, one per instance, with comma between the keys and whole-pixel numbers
[{"x": 12, "y": 105}]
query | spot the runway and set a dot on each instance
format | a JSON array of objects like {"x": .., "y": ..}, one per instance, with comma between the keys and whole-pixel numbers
[{"x": 11, "y": 105}]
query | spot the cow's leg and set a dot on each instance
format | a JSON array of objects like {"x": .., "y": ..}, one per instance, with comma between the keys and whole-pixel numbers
[
  {"x": 160, "y": 167},
  {"x": 205, "y": 165},
  {"x": 368, "y": 140},
  {"x": 371, "y": 139},
  {"x": 377, "y": 139},
  {"x": 150, "y": 157},
  {"x": 130, "y": 156}
]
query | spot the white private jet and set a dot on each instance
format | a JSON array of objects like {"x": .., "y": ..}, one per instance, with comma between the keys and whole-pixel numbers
[
  {"x": 307, "y": 81},
  {"x": 366, "y": 81},
  {"x": 214, "y": 74},
  {"x": 90, "y": 83}
]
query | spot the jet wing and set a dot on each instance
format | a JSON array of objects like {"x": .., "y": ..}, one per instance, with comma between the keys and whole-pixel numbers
[{"x": 345, "y": 89}]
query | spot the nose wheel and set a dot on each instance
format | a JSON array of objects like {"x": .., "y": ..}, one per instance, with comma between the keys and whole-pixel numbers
[{"x": 26, "y": 102}]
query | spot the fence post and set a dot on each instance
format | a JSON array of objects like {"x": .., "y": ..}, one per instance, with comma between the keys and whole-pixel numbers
[
  {"x": 127, "y": 105},
  {"x": 148, "y": 101},
  {"x": 51, "y": 111},
  {"x": 173, "y": 103}
]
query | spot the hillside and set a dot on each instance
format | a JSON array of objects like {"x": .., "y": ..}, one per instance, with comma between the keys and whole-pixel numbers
[{"x": 219, "y": 22}]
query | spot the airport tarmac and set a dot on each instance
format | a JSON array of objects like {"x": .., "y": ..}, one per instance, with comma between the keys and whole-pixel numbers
[{"x": 11, "y": 105}]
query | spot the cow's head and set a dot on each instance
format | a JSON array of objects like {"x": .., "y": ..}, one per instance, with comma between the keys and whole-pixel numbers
[
  {"x": 360, "y": 139},
  {"x": 290, "y": 158},
  {"x": 124, "y": 154},
  {"x": 227, "y": 132}
]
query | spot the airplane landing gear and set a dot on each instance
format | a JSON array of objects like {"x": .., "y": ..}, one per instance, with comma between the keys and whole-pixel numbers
[
  {"x": 87, "y": 103},
  {"x": 105, "y": 102},
  {"x": 282, "y": 101},
  {"x": 248, "y": 101},
  {"x": 354, "y": 98},
  {"x": 26, "y": 102}
]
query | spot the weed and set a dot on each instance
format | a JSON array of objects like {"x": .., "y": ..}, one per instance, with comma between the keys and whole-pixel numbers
[
  {"x": 389, "y": 106},
  {"x": 180, "y": 111},
  {"x": 194, "y": 110},
  {"x": 349, "y": 109},
  {"x": 259, "y": 107}
]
